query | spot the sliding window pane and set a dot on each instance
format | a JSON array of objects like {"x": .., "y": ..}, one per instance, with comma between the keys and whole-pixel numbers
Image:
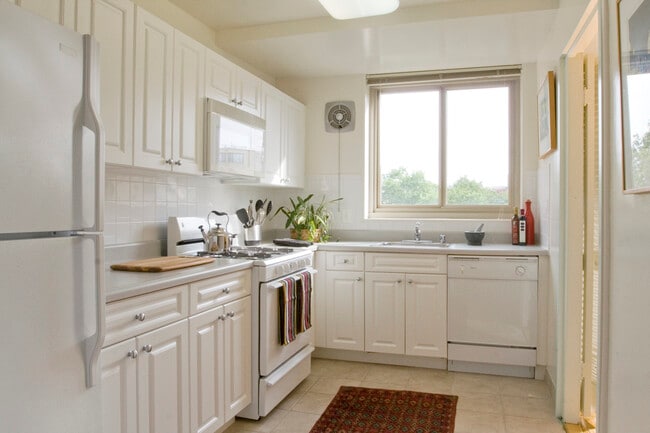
[
  {"x": 478, "y": 143},
  {"x": 409, "y": 147}
]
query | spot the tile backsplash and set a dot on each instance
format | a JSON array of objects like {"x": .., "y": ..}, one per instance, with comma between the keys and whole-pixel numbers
[{"x": 138, "y": 202}]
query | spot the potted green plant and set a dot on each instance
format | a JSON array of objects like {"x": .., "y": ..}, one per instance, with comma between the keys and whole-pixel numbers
[{"x": 306, "y": 220}]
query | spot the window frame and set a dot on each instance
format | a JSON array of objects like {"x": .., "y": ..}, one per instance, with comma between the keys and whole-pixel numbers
[{"x": 445, "y": 81}]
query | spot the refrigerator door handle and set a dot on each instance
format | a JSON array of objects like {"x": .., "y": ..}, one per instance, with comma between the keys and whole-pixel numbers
[
  {"x": 92, "y": 121},
  {"x": 93, "y": 344}
]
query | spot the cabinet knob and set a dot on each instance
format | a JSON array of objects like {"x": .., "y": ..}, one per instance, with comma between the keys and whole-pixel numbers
[
  {"x": 226, "y": 290},
  {"x": 234, "y": 101},
  {"x": 399, "y": 281},
  {"x": 359, "y": 279},
  {"x": 169, "y": 161},
  {"x": 221, "y": 317},
  {"x": 240, "y": 103},
  {"x": 147, "y": 348},
  {"x": 132, "y": 354},
  {"x": 178, "y": 162},
  {"x": 346, "y": 261},
  {"x": 409, "y": 281},
  {"x": 230, "y": 314},
  {"x": 140, "y": 317}
]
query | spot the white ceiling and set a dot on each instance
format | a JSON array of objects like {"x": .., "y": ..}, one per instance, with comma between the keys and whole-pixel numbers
[{"x": 297, "y": 38}]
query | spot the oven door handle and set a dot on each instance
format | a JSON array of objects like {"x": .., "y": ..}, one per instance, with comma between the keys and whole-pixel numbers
[{"x": 277, "y": 284}]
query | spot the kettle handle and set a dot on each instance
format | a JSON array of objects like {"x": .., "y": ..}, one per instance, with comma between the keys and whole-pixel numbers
[{"x": 218, "y": 213}]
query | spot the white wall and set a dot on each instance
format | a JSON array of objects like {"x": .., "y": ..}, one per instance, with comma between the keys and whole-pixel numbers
[
  {"x": 323, "y": 166},
  {"x": 627, "y": 295},
  {"x": 138, "y": 202},
  {"x": 549, "y": 178}
]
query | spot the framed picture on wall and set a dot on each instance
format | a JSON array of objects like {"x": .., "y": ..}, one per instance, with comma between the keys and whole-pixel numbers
[
  {"x": 634, "y": 58},
  {"x": 546, "y": 116}
]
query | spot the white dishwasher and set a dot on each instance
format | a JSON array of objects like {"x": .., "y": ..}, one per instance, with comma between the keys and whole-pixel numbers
[{"x": 492, "y": 314}]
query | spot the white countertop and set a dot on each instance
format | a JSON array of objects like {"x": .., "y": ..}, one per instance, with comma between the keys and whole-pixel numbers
[
  {"x": 453, "y": 248},
  {"x": 124, "y": 284}
]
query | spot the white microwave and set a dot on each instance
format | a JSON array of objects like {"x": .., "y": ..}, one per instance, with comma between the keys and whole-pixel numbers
[{"x": 234, "y": 146}]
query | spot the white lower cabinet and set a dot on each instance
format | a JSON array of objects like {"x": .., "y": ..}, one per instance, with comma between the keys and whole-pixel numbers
[
  {"x": 220, "y": 354},
  {"x": 406, "y": 314},
  {"x": 385, "y": 310},
  {"x": 145, "y": 382},
  {"x": 166, "y": 373},
  {"x": 345, "y": 310}
]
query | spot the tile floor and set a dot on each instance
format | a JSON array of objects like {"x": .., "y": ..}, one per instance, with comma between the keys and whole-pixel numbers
[{"x": 486, "y": 404}]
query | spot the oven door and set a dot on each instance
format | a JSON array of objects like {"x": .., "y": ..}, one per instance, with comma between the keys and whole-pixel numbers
[{"x": 272, "y": 353}]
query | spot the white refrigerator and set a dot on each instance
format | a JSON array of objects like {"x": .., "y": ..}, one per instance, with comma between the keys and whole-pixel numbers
[{"x": 51, "y": 221}]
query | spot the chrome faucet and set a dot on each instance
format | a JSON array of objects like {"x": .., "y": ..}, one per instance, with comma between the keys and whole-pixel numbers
[{"x": 418, "y": 232}]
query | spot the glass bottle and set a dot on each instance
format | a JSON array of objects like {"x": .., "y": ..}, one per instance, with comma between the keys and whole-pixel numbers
[{"x": 530, "y": 225}]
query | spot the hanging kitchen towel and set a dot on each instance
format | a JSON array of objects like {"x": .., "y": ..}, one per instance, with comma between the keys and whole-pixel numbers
[
  {"x": 304, "y": 300},
  {"x": 287, "y": 317}
]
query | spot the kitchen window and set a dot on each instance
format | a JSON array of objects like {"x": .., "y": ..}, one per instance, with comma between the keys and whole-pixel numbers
[{"x": 444, "y": 144}]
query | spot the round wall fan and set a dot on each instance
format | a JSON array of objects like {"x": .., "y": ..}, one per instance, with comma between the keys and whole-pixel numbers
[{"x": 339, "y": 116}]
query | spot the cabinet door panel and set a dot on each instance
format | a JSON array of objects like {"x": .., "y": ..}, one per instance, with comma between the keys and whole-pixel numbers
[
  {"x": 163, "y": 388},
  {"x": 219, "y": 76},
  {"x": 384, "y": 304},
  {"x": 345, "y": 310},
  {"x": 274, "y": 157},
  {"x": 154, "y": 49},
  {"x": 426, "y": 315},
  {"x": 119, "y": 389},
  {"x": 189, "y": 88},
  {"x": 207, "y": 371},
  {"x": 112, "y": 26},
  {"x": 238, "y": 386},
  {"x": 249, "y": 92},
  {"x": 295, "y": 144}
]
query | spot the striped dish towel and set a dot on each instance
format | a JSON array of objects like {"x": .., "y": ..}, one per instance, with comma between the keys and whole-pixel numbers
[
  {"x": 304, "y": 300},
  {"x": 295, "y": 306},
  {"x": 287, "y": 318}
]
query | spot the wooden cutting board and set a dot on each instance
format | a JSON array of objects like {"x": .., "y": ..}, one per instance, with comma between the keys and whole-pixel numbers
[{"x": 161, "y": 264}]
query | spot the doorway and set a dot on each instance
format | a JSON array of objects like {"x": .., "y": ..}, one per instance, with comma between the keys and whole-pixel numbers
[{"x": 582, "y": 241}]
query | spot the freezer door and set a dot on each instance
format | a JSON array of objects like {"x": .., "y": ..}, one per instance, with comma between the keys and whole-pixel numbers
[
  {"x": 47, "y": 313},
  {"x": 47, "y": 182}
]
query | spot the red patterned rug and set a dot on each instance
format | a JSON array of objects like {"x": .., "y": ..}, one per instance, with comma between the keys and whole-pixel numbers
[{"x": 366, "y": 410}]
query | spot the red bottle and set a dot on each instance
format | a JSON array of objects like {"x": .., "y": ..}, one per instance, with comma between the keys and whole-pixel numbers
[{"x": 530, "y": 225}]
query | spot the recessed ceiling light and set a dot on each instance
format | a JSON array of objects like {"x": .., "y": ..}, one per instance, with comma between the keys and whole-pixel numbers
[{"x": 348, "y": 9}]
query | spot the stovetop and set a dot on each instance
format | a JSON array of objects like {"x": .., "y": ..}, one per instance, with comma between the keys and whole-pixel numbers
[{"x": 251, "y": 253}]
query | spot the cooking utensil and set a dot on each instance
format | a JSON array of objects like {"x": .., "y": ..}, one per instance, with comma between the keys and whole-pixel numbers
[
  {"x": 242, "y": 215},
  {"x": 269, "y": 207},
  {"x": 258, "y": 205},
  {"x": 251, "y": 214},
  {"x": 260, "y": 217}
]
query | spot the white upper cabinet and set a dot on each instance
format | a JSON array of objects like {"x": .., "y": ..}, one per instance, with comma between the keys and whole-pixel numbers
[
  {"x": 284, "y": 149},
  {"x": 62, "y": 12},
  {"x": 168, "y": 117},
  {"x": 188, "y": 113},
  {"x": 112, "y": 24},
  {"x": 154, "y": 51},
  {"x": 230, "y": 84}
]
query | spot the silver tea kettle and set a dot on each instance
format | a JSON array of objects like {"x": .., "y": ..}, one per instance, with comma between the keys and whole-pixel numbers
[{"x": 216, "y": 239}]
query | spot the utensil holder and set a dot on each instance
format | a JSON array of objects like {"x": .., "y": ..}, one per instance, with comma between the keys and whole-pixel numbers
[{"x": 253, "y": 235}]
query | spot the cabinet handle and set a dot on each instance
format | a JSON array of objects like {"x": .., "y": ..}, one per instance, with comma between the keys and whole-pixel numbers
[
  {"x": 346, "y": 261},
  {"x": 399, "y": 281},
  {"x": 409, "y": 282},
  {"x": 221, "y": 317},
  {"x": 140, "y": 317},
  {"x": 132, "y": 354},
  {"x": 240, "y": 103},
  {"x": 234, "y": 101},
  {"x": 147, "y": 348},
  {"x": 169, "y": 161},
  {"x": 226, "y": 290},
  {"x": 359, "y": 279},
  {"x": 230, "y": 314},
  {"x": 178, "y": 162}
]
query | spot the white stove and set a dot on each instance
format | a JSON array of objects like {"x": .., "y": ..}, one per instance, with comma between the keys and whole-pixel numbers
[{"x": 276, "y": 368}]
